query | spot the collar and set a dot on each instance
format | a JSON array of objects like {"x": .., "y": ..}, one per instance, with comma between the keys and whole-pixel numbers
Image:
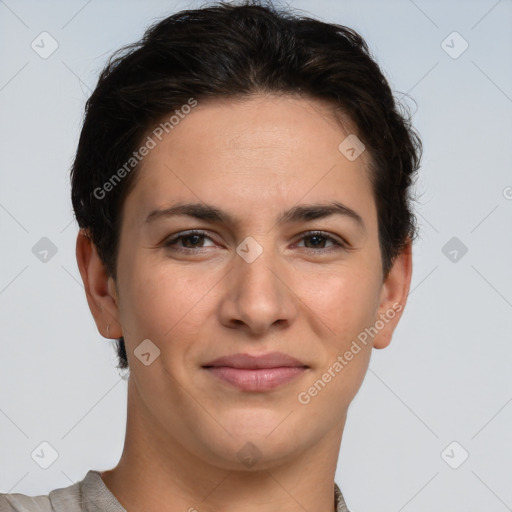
[
  {"x": 339, "y": 501},
  {"x": 95, "y": 489}
]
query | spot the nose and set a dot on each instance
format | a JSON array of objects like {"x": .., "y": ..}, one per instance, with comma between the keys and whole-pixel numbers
[{"x": 257, "y": 297}]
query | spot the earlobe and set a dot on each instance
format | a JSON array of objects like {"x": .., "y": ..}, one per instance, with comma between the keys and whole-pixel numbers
[
  {"x": 99, "y": 287},
  {"x": 394, "y": 292}
]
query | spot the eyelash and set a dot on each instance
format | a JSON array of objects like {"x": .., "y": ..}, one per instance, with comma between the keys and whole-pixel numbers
[{"x": 337, "y": 245}]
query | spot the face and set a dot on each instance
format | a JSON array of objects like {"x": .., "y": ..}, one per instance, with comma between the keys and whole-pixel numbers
[{"x": 274, "y": 279}]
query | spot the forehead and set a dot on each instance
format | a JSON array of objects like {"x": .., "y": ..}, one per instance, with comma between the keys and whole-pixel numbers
[{"x": 250, "y": 155}]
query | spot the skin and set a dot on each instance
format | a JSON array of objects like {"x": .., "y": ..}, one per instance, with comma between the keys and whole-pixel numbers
[{"x": 254, "y": 159}]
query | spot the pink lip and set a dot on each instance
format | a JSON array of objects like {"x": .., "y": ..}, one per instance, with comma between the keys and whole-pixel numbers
[{"x": 256, "y": 373}]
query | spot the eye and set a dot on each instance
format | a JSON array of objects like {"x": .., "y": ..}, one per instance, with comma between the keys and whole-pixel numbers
[
  {"x": 190, "y": 241},
  {"x": 193, "y": 241},
  {"x": 318, "y": 240}
]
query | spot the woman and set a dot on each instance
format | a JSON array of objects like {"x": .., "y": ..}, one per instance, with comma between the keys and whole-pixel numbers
[{"x": 242, "y": 187}]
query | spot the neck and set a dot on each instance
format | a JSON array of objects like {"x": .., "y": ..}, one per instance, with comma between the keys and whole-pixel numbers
[{"x": 157, "y": 473}]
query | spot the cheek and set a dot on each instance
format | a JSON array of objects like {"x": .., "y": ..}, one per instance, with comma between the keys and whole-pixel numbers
[
  {"x": 345, "y": 299},
  {"x": 143, "y": 297},
  {"x": 162, "y": 302}
]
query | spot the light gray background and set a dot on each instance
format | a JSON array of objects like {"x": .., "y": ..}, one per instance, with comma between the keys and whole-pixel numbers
[{"x": 446, "y": 376}]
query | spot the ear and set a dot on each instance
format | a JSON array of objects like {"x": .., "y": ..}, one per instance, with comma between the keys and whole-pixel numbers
[
  {"x": 100, "y": 288},
  {"x": 393, "y": 297}
]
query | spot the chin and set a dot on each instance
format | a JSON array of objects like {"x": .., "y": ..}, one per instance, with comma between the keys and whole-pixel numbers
[
  {"x": 252, "y": 453},
  {"x": 256, "y": 420},
  {"x": 257, "y": 440}
]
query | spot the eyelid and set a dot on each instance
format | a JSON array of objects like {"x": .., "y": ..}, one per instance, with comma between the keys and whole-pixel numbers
[
  {"x": 324, "y": 234},
  {"x": 338, "y": 242},
  {"x": 184, "y": 234}
]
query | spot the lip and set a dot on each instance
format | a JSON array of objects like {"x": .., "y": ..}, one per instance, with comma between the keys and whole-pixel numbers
[{"x": 256, "y": 372}]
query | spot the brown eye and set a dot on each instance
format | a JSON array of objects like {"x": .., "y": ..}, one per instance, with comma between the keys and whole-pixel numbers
[
  {"x": 187, "y": 241},
  {"x": 317, "y": 242}
]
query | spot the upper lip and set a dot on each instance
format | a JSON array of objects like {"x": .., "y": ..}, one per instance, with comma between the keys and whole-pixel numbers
[{"x": 253, "y": 362}]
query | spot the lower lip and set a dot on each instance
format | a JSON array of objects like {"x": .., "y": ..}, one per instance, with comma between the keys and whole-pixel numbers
[{"x": 261, "y": 379}]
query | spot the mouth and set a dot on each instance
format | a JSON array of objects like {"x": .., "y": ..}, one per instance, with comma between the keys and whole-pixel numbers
[{"x": 256, "y": 372}]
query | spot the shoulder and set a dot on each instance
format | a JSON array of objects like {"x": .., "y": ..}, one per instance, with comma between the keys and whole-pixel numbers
[
  {"x": 22, "y": 503},
  {"x": 66, "y": 499},
  {"x": 89, "y": 495}
]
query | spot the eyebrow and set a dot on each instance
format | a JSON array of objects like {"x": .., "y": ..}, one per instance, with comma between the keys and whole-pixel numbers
[{"x": 206, "y": 212}]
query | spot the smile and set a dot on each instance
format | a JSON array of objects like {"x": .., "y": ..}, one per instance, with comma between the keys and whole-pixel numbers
[
  {"x": 256, "y": 372},
  {"x": 261, "y": 379}
]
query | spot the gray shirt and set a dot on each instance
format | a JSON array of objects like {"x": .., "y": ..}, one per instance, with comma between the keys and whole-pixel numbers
[{"x": 89, "y": 495}]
